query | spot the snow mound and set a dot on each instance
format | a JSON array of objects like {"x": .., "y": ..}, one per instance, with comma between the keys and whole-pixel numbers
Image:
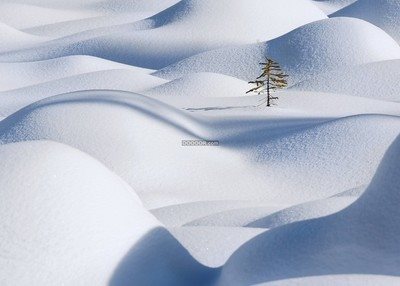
[
  {"x": 237, "y": 21},
  {"x": 182, "y": 31},
  {"x": 382, "y": 13},
  {"x": 263, "y": 156},
  {"x": 126, "y": 80},
  {"x": 234, "y": 218},
  {"x": 334, "y": 280},
  {"x": 330, "y": 6},
  {"x": 306, "y": 211},
  {"x": 212, "y": 246},
  {"x": 17, "y": 75},
  {"x": 321, "y": 151},
  {"x": 35, "y": 15},
  {"x": 202, "y": 85},
  {"x": 123, "y": 6},
  {"x": 86, "y": 120},
  {"x": 74, "y": 210},
  {"x": 315, "y": 48},
  {"x": 362, "y": 239},
  {"x": 338, "y": 104},
  {"x": 181, "y": 214},
  {"x": 375, "y": 80},
  {"x": 13, "y": 39}
]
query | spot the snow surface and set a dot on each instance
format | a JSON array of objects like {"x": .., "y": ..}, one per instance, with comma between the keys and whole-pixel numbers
[
  {"x": 381, "y": 13},
  {"x": 330, "y": 6},
  {"x": 361, "y": 239},
  {"x": 96, "y": 188},
  {"x": 318, "y": 47}
]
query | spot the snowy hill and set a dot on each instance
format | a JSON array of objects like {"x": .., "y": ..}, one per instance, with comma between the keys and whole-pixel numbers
[
  {"x": 309, "y": 50},
  {"x": 132, "y": 154},
  {"x": 374, "y": 80},
  {"x": 158, "y": 45},
  {"x": 349, "y": 242},
  {"x": 381, "y": 13},
  {"x": 330, "y": 6}
]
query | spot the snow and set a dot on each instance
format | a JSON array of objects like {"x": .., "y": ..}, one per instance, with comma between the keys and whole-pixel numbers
[
  {"x": 330, "y": 6},
  {"x": 154, "y": 43},
  {"x": 97, "y": 97},
  {"x": 358, "y": 240},
  {"x": 201, "y": 85},
  {"x": 18, "y": 75},
  {"x": 312, "y": 49},
  {"x": 35, "y": 15},
  {"x": 381, "y": 13},
  {"x": 66, "y": 208},
  {"x": 13, "y": 39},
  {"x": 374, "y": 80}
]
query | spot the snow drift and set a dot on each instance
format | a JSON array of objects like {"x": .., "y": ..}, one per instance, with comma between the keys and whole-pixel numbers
[
  {"x": 201, "y": 85},
  {"x": 330, "y": 6},
  {"x": 79, "y": 221},
  {"x": 315, "y": 48},
  {"x": 374, "y": 80},
  {"x": 381, "y": 13},
  {"x": 127, "y": 80},
  {"x": 18, "y": 75},
  {"x": 263, "y": 158},
  {"x": 361, "y": 239},
  {"x": 182, "y": 31},
  {"x": 13, "y": 39}
]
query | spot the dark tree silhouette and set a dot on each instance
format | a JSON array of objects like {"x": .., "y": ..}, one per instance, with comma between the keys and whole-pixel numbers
[{"x": 271, "y": 79}]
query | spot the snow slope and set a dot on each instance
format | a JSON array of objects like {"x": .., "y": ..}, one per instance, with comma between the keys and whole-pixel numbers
[
  {"x": 182, "y": 31},
  {"x": 75, "y": 209},
  {"x": 381, "y": 13},
  {"x": 13, "y": 39},
  {"x": 375, "y": 80},
  {"x": 86, "y": 121},
  {"x": 312, "y": 49},
  {"x": 330, "y": 6},
  {"x": 18, "y": 75},
  {"x": 201, "y": 85},
  {"x": 96, "y": 187},
  {"x": 361, "y": 239},
  {"x": 127, "y": 80},
  {"x": 35, "y": 15}
]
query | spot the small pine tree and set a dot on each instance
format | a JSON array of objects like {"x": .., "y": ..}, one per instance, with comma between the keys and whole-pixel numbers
[{"x": 271, "y": 79}]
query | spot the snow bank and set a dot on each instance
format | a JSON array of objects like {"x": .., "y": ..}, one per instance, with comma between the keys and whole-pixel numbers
[
  {"x": 330, "y": 6},
  {"x": 36, "y": 15},
  {"x": 263, "y": 156},
  {"x": 127, "y": 80},
  {"x": 80, "y": 224},
  {"x": 302, "y": 212},
  {"x": 212, "y": 246},
  {"x": 315, "y": 48},
  {"x": 17, "y": 75},
  {"x": 382, "y": 13},
  {"x": 182, "y": 31},
  {"x": 201, "y": 85},
  {"x": 78, "y": 219},
  {"x": 13, "y": 39},
  {"x": 375, "y": 80},
  {"x": 178, "y": 215},
  {"x": 361, "y": 239},
  {"x": 335, "y": 164},
  {"x": 123, "y": 6}
]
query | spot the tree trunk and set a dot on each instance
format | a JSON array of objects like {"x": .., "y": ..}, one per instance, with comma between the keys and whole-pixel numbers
[{"x": 268, "y": 94}]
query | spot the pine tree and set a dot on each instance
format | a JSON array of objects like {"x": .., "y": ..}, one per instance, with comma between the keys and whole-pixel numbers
[{"x": 271, "y": 79}]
